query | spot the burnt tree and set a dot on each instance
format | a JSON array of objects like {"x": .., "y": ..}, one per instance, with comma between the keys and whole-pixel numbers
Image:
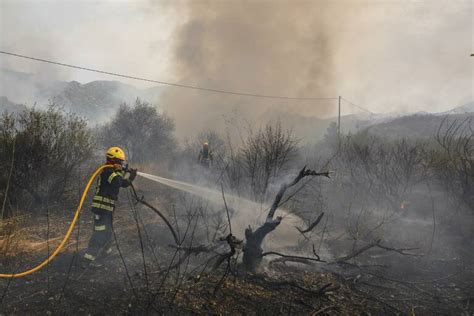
[{"x": 253, "y": 252}]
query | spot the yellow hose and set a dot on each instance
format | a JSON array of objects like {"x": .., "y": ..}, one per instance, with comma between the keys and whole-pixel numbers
[{"x": 66, "y": 237}]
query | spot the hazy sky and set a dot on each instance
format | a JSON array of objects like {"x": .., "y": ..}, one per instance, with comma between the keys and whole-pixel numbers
[
  {"x": 386, "y": 55},
  {"x": 123, "y": 36}
]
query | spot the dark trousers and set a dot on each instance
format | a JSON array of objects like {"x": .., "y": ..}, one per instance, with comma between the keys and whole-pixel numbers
[
  {"x": 101, "y": 236},
  {"x": 206, "y": 163}
]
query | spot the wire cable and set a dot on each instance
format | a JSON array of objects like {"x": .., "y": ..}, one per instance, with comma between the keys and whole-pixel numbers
[
  {"x": 255, "y": 95},
  {"x": 358, "y": 106}
]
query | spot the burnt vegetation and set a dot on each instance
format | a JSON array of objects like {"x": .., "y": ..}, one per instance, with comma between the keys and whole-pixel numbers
[{"x": 353, "y": 224}]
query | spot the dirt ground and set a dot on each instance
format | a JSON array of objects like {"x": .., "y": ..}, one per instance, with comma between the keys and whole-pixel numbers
[{"x": 121, "y": 286}]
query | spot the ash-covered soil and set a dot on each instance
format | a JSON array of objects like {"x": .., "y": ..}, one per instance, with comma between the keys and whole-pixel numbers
[{"x": 438, "y": 286}]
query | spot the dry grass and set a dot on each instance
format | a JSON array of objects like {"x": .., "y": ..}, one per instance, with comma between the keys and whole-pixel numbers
[{"x": 22, "y": 236}]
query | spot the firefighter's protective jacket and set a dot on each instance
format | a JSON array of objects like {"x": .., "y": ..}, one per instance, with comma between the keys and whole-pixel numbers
[
  {"x": 108, "y": 185},
  {"x": 206, "y": 156}
]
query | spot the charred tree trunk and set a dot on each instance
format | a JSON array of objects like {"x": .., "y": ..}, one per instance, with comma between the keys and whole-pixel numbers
[{"x": 253, "y": 246}]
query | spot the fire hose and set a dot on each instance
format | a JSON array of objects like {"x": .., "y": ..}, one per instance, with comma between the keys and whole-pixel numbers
[{"x": 68, "y": 233}]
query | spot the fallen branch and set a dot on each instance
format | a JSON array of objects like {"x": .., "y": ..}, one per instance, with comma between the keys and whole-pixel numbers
[
  {"x": 312, "y": 226},
  {"x": 356, "y": 253},
  {"x": 322, "y": 310},
  {"x": 372, "y": 245},
  {"x": 196, "y": 249},
  {"x": 399, "y": 250},
  {"x": 285, "y": 260},
  {"x": 291, "y": 258}
]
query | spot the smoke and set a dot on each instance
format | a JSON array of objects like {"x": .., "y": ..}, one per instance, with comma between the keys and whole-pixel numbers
[
  {"x": 407, "y": 56},
  {"x": 387, "y": 56},
  {"x": 263, "y": 47},
  {"x": 384, "y": 55}
]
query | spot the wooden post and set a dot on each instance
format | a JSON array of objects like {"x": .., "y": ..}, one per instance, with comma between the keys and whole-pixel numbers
[{"x": 339, "y": 122}]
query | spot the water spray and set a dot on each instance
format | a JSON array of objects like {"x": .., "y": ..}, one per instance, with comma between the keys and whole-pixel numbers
[{"x": 245, "y": 211}]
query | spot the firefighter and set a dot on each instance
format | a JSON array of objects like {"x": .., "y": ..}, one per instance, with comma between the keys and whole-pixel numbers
[
  {"x": 205, "y": 156},
  {"x": 103, "y": 203}
]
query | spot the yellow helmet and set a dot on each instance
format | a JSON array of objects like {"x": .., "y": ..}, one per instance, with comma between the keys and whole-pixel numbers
[{"x": 115, "y": 153}]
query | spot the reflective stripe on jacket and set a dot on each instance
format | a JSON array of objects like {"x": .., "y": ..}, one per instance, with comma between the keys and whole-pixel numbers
[
  {"x": 108, "y": 186},
  {"x": 103, "y": 203}
]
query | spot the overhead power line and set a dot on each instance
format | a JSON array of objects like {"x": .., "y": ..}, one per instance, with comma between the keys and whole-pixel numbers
[
  {"x": 164, "y": 82},
  {"x": 357, "y": 106}
]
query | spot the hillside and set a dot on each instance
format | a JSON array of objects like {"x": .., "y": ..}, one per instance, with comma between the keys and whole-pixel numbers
[
  {"x": 8, "y": 106},
  {"x": 466, "y": 108},
  {"x": 95, "y": 101},
  {"x": 98, "y": 100},
  {"x": 416, "y": 126}
]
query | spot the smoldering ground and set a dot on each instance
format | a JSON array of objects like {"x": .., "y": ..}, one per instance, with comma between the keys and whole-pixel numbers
[{"x": 366, "y": 238}]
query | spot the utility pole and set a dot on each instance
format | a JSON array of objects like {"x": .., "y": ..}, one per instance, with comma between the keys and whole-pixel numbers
[{"x": 339, "y": 122}]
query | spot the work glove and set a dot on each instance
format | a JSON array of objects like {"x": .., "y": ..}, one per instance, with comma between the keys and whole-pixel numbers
[
  {"x": 133, "y": 174},
  {"x": 118, "y": 167}
]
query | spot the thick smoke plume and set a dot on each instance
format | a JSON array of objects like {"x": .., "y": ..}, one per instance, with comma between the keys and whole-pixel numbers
[
  {"x": 277, "y": 48},
  {"x": 387, "y": 56}
]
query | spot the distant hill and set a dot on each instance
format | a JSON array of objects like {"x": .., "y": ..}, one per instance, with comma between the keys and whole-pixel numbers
[
  {"x": 8, "y": 106},
  {"x": 417, "y": 125},
  {"x": 313, "y": 129},
  {"x": 466, "y": 108},
  {"x": 96, "y": 101}
]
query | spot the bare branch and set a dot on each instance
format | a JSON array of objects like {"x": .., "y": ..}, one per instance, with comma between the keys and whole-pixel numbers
[
  {"x": 226, "y": 209},
  {"x": 154, "y": 209},
  {"x": 399, "y": 250},
  {"x": 303, "y": 173},
  {"x": 312, "y": 226},
  {"x": 196, "y": 249},
  {"x": 377, "y": 244},
  {"x": 357, "y": 252}
]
